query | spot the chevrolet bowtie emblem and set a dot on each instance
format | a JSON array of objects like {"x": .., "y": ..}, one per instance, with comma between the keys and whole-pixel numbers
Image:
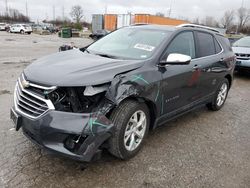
[{"x": 25, "y": 84}]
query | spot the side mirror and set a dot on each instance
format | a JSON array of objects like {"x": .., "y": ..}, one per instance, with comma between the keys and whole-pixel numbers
[{"x": 176, "y": 59}]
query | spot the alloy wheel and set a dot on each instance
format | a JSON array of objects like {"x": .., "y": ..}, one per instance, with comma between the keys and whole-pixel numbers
[
  {"x": 222, "y": 95},
  {"x": 135, "y": 130}
]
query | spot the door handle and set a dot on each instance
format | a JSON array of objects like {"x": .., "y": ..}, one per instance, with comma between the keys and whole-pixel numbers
[
  {"x": 195, "y": 67},
  {"x": 222, "y": 59}
]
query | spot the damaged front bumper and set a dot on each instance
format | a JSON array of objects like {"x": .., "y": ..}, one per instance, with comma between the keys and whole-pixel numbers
[{"x": 75, "y": 135}]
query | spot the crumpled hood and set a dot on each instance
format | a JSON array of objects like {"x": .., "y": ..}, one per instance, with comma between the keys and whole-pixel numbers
[
  {"x": 75, "y": 68},
  {"x": 241, "y": 50}
]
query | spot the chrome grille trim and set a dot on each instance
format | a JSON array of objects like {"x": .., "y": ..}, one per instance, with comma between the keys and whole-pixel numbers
[{"x": 28, "y": 103}]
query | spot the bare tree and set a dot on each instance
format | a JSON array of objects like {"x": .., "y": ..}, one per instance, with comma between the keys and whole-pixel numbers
[
  {"x": 227, "y": 19},
  {"x": 210, "y": 21},
  {"x": 160, "y": 14},
  {"x": 196, "y": 20},
  {"x": 243, "y": 17},
  {"x": 77, "y": 13}
]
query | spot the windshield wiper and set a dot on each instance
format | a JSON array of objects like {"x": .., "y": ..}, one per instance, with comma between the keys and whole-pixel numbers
[
  {"x": 108, "y": 56},
  {"x": 86, "y": 50}
]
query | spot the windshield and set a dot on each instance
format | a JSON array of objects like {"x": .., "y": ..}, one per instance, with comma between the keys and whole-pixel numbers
[
  {"x": 129, "y": 43},
  {"x": 244, "y": 42}
]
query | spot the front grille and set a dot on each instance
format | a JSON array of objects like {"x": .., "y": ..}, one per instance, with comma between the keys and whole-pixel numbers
[
  {"x": 242, "y": 56},
  {"x": 29, "y": 102}
]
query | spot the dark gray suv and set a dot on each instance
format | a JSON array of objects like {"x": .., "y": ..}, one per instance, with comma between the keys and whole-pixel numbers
[{"x": 109, "y": 94}]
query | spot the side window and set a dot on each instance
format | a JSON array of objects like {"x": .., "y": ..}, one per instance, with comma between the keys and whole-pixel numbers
[
  {"x": 182, "y": 44},
  {"x": 217, "y": 46},
  {"x": 206, "y": 44}
]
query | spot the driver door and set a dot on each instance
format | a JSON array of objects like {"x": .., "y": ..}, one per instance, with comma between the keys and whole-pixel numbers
[{"x": 180, "y": 82}]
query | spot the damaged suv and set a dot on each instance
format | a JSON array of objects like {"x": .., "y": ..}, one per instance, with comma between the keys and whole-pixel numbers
[{"x": 109, "y": 94}]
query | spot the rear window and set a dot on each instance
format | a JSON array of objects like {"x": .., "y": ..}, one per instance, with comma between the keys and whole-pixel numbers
[
  {"x": 217, "y": 46},
  {"x": 206, "y": 44},
  {"x": 225, "y": 42}
]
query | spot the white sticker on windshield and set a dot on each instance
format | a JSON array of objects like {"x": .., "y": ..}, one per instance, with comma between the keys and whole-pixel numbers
[{"x": 144, "y": 47}]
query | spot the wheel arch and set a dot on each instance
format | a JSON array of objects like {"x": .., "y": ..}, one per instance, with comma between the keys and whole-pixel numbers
[
  {"x": 230, "y": 79},
  {"x": 150, "y": 104}
]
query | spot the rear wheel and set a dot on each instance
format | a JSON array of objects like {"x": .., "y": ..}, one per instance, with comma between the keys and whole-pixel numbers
[
  {"x": 131, "y": 121},
  {"x": 22, "y": 31},
  {"x": 29, "y": 33},
  {"x": 220, "y": 96}
]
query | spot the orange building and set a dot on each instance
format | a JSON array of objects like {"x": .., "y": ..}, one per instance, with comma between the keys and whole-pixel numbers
[
  {"x": 110, "y": 22},
  {"x": 151, "y": 19}
]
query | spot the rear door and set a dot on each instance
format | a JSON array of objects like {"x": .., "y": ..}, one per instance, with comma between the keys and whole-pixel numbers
[
  {"x": 179, "y": 89},
  {"x": 210, "y": 62}
]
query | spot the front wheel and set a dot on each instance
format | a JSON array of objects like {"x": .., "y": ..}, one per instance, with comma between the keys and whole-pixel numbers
[
  {"x": 131, "y": 120},
  {"x": 220, "y": 96},
  {"x": 22, "y": 31}
]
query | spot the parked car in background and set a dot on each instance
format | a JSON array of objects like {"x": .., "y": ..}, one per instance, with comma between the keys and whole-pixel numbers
[
  {"x": 241, "y": 49},
  {"x": 3, "y": 26},
  {"x": 20, "y": 28},
  {"x": 98, "y": 34},
  {"x": 109, "y": 94}
]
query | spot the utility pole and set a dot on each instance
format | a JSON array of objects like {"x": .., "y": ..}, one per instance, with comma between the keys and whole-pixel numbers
[
  {"x": 106, "y": 8},
  {"x": 63, "y": 13},
  {"x": 26, "y": 7},
  {"x": 6, "y": 7},
  {"x": 54, "y": 13},
  {"x": 242, "y": 3},
  {"x": 170, "y": 9}
]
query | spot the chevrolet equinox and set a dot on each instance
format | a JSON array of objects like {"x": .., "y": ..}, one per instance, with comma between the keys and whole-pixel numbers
[{"x": 109, "y": 94}]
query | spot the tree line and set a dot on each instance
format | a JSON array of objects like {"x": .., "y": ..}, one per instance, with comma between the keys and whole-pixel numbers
[
  {"x": 13, "y": 15},
  {"x": 237, "y": 21}
]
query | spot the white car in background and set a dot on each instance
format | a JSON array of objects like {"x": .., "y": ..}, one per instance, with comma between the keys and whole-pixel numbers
[
  {"x": 21, "y": 28},
  {"x": 241, "y": 49},
  {"x": 3, "y": 26}
]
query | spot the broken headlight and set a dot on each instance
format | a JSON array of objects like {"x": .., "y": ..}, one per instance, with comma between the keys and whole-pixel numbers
[{"x": 78, "y": 99}]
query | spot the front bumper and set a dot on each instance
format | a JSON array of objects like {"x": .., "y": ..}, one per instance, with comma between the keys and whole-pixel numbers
[
  {"x": 242, "y": 65},
  {"x": 74, "y": 135}
]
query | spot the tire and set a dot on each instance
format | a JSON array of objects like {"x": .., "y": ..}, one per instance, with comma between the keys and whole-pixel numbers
[
  {"x": 22, "y": 31},
  {"x": 215, "y": 105},
  {"x": 121, "y": 118},
  {"x": 29, "y": 33}
]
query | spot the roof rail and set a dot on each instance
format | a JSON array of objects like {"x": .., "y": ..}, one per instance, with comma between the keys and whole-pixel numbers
[{"x": 199, "y": 26}]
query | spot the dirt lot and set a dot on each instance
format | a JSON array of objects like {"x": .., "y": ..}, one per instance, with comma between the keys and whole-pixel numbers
[{"x": 200, "y": 149}]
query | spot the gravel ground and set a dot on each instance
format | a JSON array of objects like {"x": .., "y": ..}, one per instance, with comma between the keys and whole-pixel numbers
[{"x": 200, "y": 149}]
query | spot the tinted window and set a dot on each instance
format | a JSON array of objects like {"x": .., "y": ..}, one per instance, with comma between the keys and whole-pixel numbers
[
  {"x": 182, "y": 44},
  {"x": 206, "y": 44},
  {"x": 217, "y": 46},
  {"x": 225, "y": 42}
]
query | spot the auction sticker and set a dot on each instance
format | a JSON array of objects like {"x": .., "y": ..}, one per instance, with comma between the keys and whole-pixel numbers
[{"x": 144, "y": 47}]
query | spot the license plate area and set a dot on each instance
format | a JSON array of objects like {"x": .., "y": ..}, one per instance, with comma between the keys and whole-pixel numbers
[
  {"x": 238, "y": 62},
  {"x": 16, "y": 119}
]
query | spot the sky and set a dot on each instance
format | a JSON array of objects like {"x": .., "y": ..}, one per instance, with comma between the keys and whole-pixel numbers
[{"x": 43, "y": 9}]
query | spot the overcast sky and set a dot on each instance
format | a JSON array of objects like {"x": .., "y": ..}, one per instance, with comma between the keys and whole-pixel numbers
[{"x": 42, "y": 9}]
